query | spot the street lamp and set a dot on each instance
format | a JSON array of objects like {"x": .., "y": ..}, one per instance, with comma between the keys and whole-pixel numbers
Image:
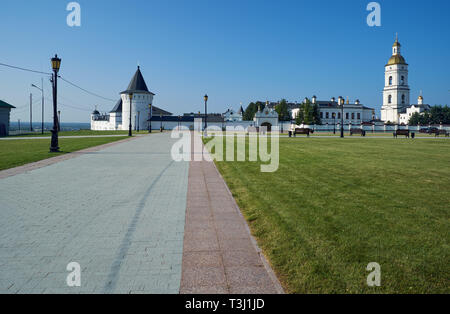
[
  {"x": 341, "y": 104},
  {"x": 149, "y": 118},
  {"x": 56, "y": 64},
  {"x": 179, "y": 123},
  {"x": 130, "y": 95},
  {"x": 42, "y": 91},
  {"x": 206, "y": 112},
  {"x": 161, "y": 127}
]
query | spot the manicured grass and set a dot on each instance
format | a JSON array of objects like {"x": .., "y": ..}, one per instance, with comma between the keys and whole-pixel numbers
[
  {"x": 80, "y": 133},
  {"x": 336, "y": 205},
  {"x": 14, "y": 153}
]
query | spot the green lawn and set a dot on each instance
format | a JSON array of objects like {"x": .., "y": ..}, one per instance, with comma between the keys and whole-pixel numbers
[
  {"x": 79, "y": 133},
  {"x": 14, "y": 153},
  {"x": 336, "y": 205}
]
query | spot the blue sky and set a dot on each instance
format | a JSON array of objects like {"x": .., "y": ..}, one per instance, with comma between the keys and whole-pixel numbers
[{"x": 236, "y": 51}]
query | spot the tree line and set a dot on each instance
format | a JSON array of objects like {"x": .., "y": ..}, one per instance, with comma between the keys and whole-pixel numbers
[
  {"x": 436, "y": 115},
  {"x": 309, "y": 113}
]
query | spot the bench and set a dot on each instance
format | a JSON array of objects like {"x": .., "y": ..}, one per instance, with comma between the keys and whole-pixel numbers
[
  {"x": 303, "y": 131},
  {"x": 402, "y": 132},
  {"x": 442, "y": 132},
  {"x": 357, "y": 131}
]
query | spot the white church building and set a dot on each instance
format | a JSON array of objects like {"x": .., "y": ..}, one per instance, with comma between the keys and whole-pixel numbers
[
  {"x": 396, "y": 94},
  {"x": 119, "y": 117},
  {"x": 267, "y": 117}
]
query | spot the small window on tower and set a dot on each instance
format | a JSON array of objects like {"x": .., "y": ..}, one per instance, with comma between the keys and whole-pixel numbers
[
  {"x": 390, "y": 99},
  {"x": 403, "y": 99},
  {"x": 390, "y": 80},
  {"x": 403, "y": 80}
]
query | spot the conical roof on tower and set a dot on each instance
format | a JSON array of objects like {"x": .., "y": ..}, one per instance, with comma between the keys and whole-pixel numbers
[{"x": 137, "y": 84}]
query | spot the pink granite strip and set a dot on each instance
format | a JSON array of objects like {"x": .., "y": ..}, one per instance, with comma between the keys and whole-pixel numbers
[
  {"x": 50, "y": 161},
  {"x": 220, "y": 256}
]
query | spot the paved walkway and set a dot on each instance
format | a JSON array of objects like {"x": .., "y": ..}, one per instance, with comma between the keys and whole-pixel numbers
[
  {"x": 124, "y": 211},
  {"x": 220, "y": 255},
  {"x": 119, "y": 213}
]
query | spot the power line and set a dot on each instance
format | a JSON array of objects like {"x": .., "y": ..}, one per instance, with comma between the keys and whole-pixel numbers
[
  {"x": 23, "y": 69},
  {"x": 73, "y": 105},
  {"x": 85, "y": 90},
  {"x": 69, "y": 106}
]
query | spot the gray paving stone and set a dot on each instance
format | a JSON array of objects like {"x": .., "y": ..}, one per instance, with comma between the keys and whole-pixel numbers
[{"x": 118, "y": 212}]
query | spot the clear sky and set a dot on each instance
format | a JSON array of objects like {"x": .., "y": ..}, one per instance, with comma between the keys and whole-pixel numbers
[{"x": 235, "y": 50}]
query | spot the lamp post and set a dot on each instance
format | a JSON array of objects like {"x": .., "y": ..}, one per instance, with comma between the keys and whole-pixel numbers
[
  {"x": 206, "y": 112},
  {"x": 59, "y": 120},
  {"x": 334, "y": 122},
  {"x": 130, "y": 95},
  {"x": 161, "y": 127},
  {"x": 150, "y": 118},
  {"x": 341, "y": 104},
  {"x": 179, "y": 123},
  {"x": 56, "y": 64},
  {"x": 42, "y": 91},
  {"x": 138, "y": 121}
]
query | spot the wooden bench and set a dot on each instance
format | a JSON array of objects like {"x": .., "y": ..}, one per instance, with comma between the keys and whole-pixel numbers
[
  {"x": 303, "y": 131},
  {"x": 357, "y": 131},
  {"x": 402, "y": 132},
  {"x": 442, "y": 132}
]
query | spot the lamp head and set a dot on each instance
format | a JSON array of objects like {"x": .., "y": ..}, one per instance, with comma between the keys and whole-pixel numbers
[
  {"x": 56, "y": 63},
  {"x": 206, "y": 97},
  {"x": 130, "y": 95}
]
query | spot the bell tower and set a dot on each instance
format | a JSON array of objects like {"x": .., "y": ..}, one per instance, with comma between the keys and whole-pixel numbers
[{"x": 396, "y": 89}]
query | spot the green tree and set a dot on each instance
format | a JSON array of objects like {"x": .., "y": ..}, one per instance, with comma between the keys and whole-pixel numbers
[
  {"x": 308, "y": 114},
  {"x": 436, "y": 115},
  {"x": 252, "y": 109},
  {"x": 283, "y": 111}
]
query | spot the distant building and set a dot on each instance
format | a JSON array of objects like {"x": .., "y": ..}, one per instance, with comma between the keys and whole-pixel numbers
[
  {"x": 119, "y": 117},
  {"x": 419, "y": 108},
  {"x": 5, "y": 111},
  {"x": 266, "y": 117},
  {"x": 330, "y": 111},
  {"x": 232, "y": 116},
  {"x": 396, "y": 94}
]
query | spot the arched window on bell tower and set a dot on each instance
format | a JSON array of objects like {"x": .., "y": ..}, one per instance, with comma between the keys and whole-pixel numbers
[
  {"x": 390, "y": 99},
  {"x": 390, "y": 80},
  {"x": 402, "y": 81},
  {"x": 403, "y": 99}
]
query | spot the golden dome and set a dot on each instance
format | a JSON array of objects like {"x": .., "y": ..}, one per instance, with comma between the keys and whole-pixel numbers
[
  {"x": 420, "y": 97},
  {"x": 396, "y": 59}
]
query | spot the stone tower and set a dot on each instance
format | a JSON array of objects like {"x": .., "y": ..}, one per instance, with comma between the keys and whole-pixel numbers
[{"x": 140, "y": 106}]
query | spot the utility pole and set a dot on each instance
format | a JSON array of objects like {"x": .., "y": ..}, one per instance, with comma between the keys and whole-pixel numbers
[
  {"x": 42, "y": 88},
  {"x": 19, "y": 126},
  {"x": 42, "y": 105},
  {"x": 31, "y": 112},
  {"x": 59, "y": 121}
]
